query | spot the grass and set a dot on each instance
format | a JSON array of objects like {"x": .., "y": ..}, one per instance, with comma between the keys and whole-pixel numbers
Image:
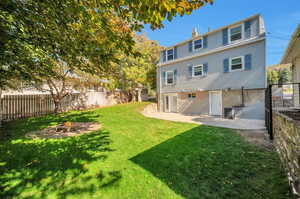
[{"x": 136, "y": 157}]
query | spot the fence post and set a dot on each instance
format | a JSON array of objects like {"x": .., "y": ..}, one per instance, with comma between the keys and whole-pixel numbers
[
  {"x": 298, "y": 95},
  {"x": 270, "y": 113},
  {"x": 1, "y": 111}
]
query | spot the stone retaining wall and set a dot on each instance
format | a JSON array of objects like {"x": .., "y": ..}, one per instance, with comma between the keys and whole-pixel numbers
[
  {"x": 287, "y": 142},
  {"x": 151, "y": 108}
]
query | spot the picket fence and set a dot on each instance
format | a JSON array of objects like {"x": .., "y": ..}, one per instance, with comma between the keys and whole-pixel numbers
[{"x": 22, "y": 106}]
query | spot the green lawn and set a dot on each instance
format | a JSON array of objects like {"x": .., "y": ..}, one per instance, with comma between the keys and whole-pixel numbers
[{"x": 136, "y": 157}]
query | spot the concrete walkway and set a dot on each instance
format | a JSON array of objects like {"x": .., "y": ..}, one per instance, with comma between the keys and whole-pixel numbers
[{"x": 242, "y": 124}]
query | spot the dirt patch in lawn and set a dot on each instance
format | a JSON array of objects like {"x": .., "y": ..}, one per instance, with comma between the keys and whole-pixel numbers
[
  {"x": 61, "y": 131},
  {"x": 259, "y": 138}
]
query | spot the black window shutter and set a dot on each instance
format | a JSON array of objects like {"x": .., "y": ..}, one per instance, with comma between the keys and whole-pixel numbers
[
  {"x": 164, "y": 55},
  {"x": 175, "y": 52},
  {"x": 247, "y": 26},
  {"x": 190, "y": 46},
  {"x": 225, "y": 36},
  {"x": 205, "y": 42}
]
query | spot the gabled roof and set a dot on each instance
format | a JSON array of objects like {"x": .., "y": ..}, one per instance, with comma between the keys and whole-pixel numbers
[
  {"x": 295, "y": 40},
  {"x": 214, "y": 31}
]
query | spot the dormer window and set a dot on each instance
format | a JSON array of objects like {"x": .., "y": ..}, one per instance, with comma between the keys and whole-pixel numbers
[
  {"x": 170, "y": 54},
  {"x": 197, "y": 44},
  {"x": 235, "y": 33}
]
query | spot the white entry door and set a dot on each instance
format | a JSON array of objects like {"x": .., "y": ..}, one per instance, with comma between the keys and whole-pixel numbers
[
  {"x": 170, "y": 103},
  {"x": 215, "y": 103}
]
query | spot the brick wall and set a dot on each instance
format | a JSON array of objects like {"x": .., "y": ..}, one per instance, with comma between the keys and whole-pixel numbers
[{"x": 287, "y": 142}]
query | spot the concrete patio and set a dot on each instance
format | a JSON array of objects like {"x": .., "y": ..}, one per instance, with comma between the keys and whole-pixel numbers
[{"x": 242, "y": 124}]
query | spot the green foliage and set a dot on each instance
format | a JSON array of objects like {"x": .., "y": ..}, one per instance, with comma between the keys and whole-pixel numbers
[
  {"x": 85, "y": 35},
  {"x": 285, "y": 76},
  {"x": 136, "y": 157},
  {"x": 279, "y": 76},
  {"x": 137, "y": 71},
  {"x": 273, "y": 77},
  {"x": 41, "y": 33}
]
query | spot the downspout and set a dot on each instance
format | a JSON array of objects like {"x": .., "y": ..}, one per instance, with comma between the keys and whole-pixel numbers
[
  {"x": 158, "y": 86},
  {"x": 243, "y": 97}
]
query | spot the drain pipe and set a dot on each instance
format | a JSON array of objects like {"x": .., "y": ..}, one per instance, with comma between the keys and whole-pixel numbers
[{"x": 243, "y": 99}]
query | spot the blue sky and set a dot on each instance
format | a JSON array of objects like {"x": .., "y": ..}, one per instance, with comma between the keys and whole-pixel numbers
[{"x": 281, "y": 19}]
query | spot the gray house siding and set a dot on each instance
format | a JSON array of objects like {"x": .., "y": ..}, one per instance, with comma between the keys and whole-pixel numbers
[
  {"x": 216, "y": 79},
  {"x": 214, "y": 40},
  {"x": 191, "y": 94}
]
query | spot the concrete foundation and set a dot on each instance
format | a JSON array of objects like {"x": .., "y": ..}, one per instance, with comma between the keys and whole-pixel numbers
[{"x": 252, "y": 99}]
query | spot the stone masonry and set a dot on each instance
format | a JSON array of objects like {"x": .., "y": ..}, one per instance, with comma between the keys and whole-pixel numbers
[{"x": 287, "y": 142}]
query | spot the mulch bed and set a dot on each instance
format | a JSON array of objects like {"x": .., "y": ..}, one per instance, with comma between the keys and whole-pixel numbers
[{"x": 58, "y": 131}]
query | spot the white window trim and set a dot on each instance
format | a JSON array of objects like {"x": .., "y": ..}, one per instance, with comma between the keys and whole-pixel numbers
[
  {"x": 194, "y": 44},
  {"x": 193, "y": 71},
  {"x": 230, "y": 64},
  {"x": 167, "y": 54},
  {"x": 166, "y": 78},
  {"x": 229, "y": 34}
]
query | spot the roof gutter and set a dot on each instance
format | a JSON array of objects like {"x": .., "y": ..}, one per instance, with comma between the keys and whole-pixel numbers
[
  {"x": 245, "y": 42},
  {"x": 213, "y": 31}
]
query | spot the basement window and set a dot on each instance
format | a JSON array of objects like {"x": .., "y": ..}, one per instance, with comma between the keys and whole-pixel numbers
[{"x": 192, "y": 95}]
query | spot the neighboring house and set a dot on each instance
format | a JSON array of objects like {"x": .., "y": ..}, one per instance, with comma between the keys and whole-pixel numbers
[
  {"x": 222, "y": 68},
  {"x": 292, "y": 56}
]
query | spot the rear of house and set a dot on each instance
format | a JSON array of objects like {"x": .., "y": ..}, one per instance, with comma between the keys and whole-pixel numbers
[{"x": 220, "y": 69}]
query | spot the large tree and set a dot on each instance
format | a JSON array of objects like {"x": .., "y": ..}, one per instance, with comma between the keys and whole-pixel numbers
[
  {"x": 136, "y": 72},
  {"x": 65, "y": 82},
  {"x": 86, "y": 35},
  {"x": 39, "y": 34}
]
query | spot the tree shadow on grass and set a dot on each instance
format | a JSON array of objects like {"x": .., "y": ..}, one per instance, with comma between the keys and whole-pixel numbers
[
  {"x": 59, "y": 168},
  {"x": 19, "y": 128},
  {"x": 209, "y": 162}
]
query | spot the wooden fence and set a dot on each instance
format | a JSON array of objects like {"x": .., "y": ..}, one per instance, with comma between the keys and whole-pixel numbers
[{"x": 22, "y": 106}]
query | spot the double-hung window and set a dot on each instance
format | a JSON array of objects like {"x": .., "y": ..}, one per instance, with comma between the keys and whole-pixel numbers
[
  {"x": 197, "y": 70},
  {"x": 198, "y": 44},
  {"x": 236, "y": 63},
  {"x": 236, "y": 33},
  {"x": 169, "y": 77},
  {"x": 170, "y": 54}
]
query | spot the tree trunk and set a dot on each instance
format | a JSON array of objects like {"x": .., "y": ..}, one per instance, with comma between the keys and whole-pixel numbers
[
  {"x": 131, "y": 97},
  {"x": 57, "y": 106},
  {"x": 139, "y": 95}
]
